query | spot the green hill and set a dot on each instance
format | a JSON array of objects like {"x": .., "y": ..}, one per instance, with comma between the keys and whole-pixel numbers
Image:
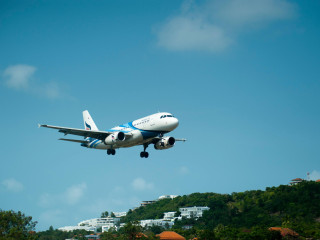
[{"x": 296, "y": 207}]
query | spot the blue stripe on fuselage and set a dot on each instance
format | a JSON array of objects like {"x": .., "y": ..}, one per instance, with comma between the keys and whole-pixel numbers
[
  {"x": 92, "y": 143},
  {"x": 145, "y": 134}
]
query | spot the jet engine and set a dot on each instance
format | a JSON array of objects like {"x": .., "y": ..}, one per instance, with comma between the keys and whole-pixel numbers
[
  {"x": 114, "y": 137},
  {"x": 165, "y": 143}
]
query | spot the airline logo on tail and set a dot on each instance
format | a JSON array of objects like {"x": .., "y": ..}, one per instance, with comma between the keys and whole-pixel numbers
[{"x": 88, "y": 127}]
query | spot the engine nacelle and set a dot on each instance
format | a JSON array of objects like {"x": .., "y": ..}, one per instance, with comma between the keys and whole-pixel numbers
[
  {"x": 165, "y": 143},
  {"x": 114, "y": 137}
]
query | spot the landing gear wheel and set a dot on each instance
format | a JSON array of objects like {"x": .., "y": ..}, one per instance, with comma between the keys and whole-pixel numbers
[
  {"x": 144, "y": 154},
  {"x": 111, "y": 152}
]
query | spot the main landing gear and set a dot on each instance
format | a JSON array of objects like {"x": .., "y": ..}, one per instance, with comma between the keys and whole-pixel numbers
[
  {"x": 144, "y": 154},
  {"x": 111, "y": 151}
]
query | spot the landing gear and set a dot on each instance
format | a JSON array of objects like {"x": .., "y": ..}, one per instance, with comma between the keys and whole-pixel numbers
[
  {"x": 111, "y": 152},
  {"x": 144, "y": 154}
]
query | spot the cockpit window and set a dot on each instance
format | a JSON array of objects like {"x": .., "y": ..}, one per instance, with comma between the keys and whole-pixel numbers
[{"x": 164, "y": 116}]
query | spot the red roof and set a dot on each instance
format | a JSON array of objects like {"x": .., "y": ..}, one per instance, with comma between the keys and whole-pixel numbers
[
  {"x": 318, "y": 180},
  {"x": 284, "y": 231},
  {"x": 170, "y": 235},
  {"x": 297, "y": 179}
]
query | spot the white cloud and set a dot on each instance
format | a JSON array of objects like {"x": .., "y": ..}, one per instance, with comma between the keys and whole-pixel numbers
[
  {"x": 215, "y": 25},
  {"x": 184, "y": 33},
  {"x": 74, "y": 193},
  {"x": 18, "y": 76},
  {"x": 183, "y": 170},
  {"x": 51, "y": 90},
  {"x": 248, "y": 12},
  {"x": 71, "y": 196},
  {"x": 12, "y": 185},
  {"x": 314, "y": 175},
  {"x": 140, "y": 184}
]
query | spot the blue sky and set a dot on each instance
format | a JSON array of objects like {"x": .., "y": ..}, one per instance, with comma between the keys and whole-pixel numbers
[{"x": 241, "y": 76}]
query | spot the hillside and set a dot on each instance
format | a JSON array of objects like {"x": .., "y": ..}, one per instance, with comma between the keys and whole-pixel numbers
[{"x": 297, "y": 207}]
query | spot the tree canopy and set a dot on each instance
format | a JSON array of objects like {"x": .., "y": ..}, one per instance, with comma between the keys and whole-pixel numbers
[{"x": 15, "y": 225}]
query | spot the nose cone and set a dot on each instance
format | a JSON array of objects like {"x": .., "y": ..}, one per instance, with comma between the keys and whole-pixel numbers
[{"x": 173, "y": 123}]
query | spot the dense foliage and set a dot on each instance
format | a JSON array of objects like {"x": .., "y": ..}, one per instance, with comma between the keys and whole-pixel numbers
[
  {"x": 15, "y": 225},
  {"x": 55, "y": 234}
]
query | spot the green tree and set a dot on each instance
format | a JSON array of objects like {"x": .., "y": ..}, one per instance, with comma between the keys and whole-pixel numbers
[
  {"x": 132, "y": 230},
  {"x": 15, "y": 225},
  {"x": 207, "y": 235},
  {"x": 104, "y": 214},
  {"x": 112, "y": 214},
  {"x": 108, "y": 236}
]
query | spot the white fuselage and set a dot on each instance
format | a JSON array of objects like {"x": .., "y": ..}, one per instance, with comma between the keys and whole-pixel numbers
[{"x": 139, "y": 131}]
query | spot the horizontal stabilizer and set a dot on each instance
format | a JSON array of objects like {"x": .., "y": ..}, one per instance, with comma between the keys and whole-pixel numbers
[{"x": 73, "y": 140}]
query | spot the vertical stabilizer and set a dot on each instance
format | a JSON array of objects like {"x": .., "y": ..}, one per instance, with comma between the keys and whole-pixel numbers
[{"x": 88, "y": 122}]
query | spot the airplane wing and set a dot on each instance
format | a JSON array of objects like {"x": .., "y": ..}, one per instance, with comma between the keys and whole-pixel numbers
[
  {"x": 74, "y": 140},
  {"x": 82, "y": 132}
]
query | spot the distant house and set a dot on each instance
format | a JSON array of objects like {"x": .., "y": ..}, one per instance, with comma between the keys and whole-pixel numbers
[
  {"x": 296, "y": 181},
  {"x": 72, "y": 228},
  {"x": 168, "y": 196},
  {"x": 100, "y": 222},
  {"x": 156, "y": 222},
  {"x": 92, "y": 237},
  {"x": 120, "y": 214},
  {"x": 169, "y": 216},
  {"x": 145, "y": 203},
  {"x": 193, "y": 212},
  {"x": 170, "y": 235}
]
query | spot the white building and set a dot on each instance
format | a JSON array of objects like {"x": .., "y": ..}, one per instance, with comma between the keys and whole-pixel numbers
[
  {"x": 120, "y": 214},
  {"x": 168, "y": 196},
  {"x": 156, "y": 222},
  {"x": 71, "y": 228},
  {"x": 193, "y": 212},
  {"x": 169, "y": 216},
  {"x": 106, "y": 227},
  {"x": 99, "y": 222}
]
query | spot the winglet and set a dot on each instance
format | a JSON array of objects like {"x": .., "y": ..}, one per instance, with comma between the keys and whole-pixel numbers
[{"x": 39, "y": 125}]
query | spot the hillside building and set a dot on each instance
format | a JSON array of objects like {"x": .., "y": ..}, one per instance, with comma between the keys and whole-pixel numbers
[
  {"x": 120, "y": 214},
  {"x": 100, "y": 222},
  {"x": 168, "y": 196},
  {"x": 71, "y": 228},
  {"x": 296, "y": 181},
  {"x": 169, "y": 216},
  {"x": 193, "y": 212},
  {"x": 156, "y": 222},
  {"x": 145, "y": 203}
]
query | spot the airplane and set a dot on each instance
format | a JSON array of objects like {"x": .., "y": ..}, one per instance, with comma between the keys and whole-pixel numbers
[{"x": 144, "y": 131}]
